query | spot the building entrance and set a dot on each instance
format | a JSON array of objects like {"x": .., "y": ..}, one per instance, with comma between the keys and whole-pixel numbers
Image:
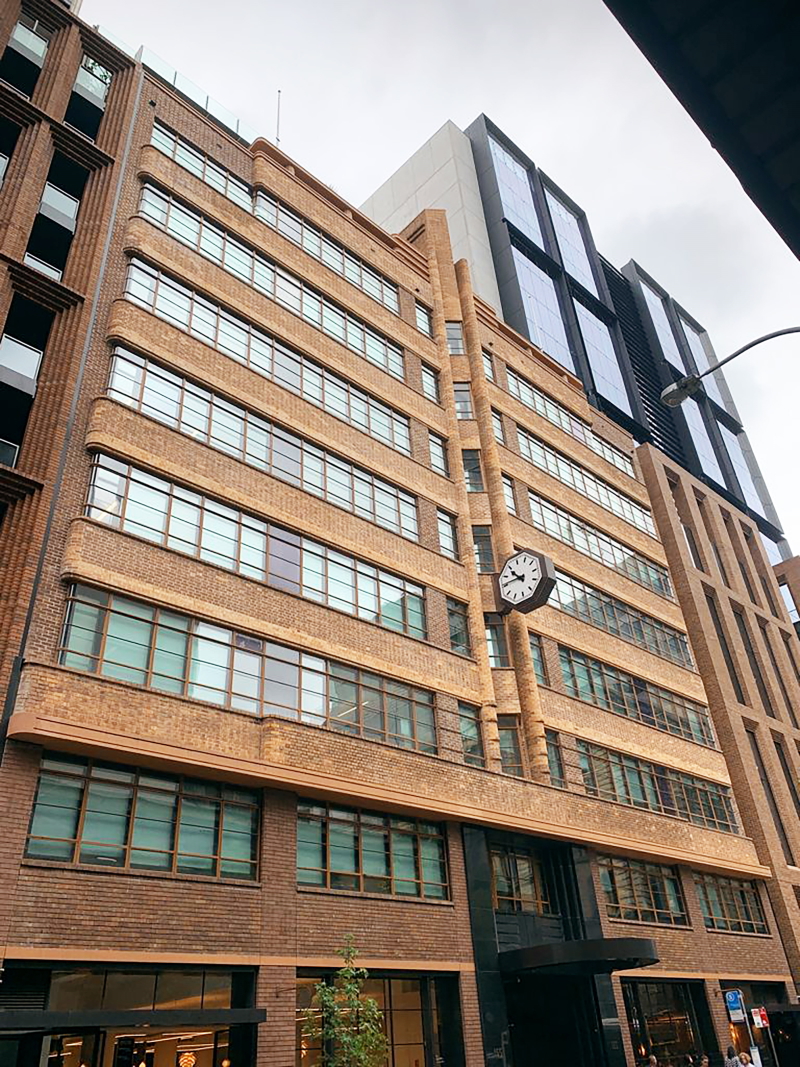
[
  {"x": 553, "y": 1020},
  {"x": 128, "y": 1047}
]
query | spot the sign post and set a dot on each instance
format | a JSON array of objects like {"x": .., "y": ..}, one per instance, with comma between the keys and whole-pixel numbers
[{"x": 734, "y": 1002}]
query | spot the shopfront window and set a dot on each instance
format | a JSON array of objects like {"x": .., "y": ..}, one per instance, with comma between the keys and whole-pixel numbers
[{"x": 664, "y": 1018}]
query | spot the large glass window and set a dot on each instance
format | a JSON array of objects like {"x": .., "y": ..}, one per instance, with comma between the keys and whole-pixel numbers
[
  {"x": 615, "y": 690},
  {"x": 663, "y": 1019},
  {"x": 661, "y": 323},
  {"x": 437, "y": 447},
  {"x": 520, "y": 882},
  {"x": 701, "y": 359},
  {"x": 570, "y": 242},
  {"x": 448, "y": 535},
  {"x": 533, "y": 398},
  {"x": 469, "y": 721},
  {"x": 371, "y": 852},
  {"x": 597, "y": 608},
  {"x": 568, "y": 528},
  {"x": 24, "y": 56},
  {"x": 496, "y": 641},
  {"x": 730, "y": 904},
  {"x": 455, "y": 338},
  {"x": 733, "y": 444},
  {"x": 260, "y": 443},
  {"x": 701, "y": 440},
  {"x": 473, "y": 475},
  {"x": 584, "y": 481},
  {"x": 603, "y": 359},
  {"x": 642, "y": 892},
  {"x": 508, "y": 727},
  {"x": 118, "y": 637},
  {"x": 458, "y": 624},
  {"x": 87, "y": 811},
  {"x": 638, "y": 783},
  {"x": 131, "y": 500},
  {"x": 263, "y": 274},
  {"x": 424, "y": 318},
  {"x": 430, "y": 383},
  {"x": 281, "y": 218},
  {"x": 462, "y": 394},
  {"x": 484, "y": 553},
  {"x": 542, "y": 311},
  {"x": 515, "y": 192}
]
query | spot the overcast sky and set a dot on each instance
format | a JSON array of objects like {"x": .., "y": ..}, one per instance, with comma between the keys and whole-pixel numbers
[{"x": 365, "y": 82}]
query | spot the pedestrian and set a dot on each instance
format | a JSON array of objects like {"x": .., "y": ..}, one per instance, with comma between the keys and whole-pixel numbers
[
  {"x": 744, "y": 1059},
  {"x": 652, "y": 1061},
  {"x": 731, "y": 1059},
  {"x": 704, "y": 1060}
]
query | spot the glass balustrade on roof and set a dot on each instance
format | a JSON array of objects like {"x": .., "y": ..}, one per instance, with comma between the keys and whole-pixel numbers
[{"x": 59, "y": 201}]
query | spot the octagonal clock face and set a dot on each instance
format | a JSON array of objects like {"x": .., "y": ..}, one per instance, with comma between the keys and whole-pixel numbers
[{"x": 526, "y": 580}]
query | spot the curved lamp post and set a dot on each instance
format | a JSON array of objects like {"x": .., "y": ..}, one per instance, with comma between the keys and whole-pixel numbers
[{"x": 674, "y": 395}]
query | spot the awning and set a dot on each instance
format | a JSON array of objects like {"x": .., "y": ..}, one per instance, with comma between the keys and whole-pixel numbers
[{"x": 600, "y": 955}]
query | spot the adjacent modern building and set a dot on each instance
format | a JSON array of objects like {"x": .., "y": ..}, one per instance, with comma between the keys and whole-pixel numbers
[{"x": 262, "y": 463}]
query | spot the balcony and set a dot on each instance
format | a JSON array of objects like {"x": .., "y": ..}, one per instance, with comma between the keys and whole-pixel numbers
[
  {"x": 41, "y": 265},
  {"x": 60, "y": 207},
  {"x": 19, "y": 358}
]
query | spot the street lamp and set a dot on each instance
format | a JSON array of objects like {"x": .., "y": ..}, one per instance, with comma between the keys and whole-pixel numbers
[{"x": 674, "y": 395}]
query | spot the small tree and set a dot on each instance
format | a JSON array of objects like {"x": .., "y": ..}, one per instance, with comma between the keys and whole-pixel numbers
[{"x": 348, "y": 1024}]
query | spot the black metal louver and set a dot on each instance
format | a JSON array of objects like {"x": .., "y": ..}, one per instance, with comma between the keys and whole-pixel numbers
[
  {"x": 659, "y": 418},
  {"x": 24, "y": 989}
]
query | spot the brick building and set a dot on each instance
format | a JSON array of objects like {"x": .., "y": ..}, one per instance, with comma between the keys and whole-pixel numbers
[{"x": 263, "y": 463}]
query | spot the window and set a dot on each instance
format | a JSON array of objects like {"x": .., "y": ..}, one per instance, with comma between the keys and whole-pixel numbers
[
  {"x": 730, "y": 904},
  {"x": 519, "y": 882},
  {"x": 423, "y": 318},
  {"x": 473, "y": 475},
  {"x": 24, "y": 56},
  {"x": 583, "y": 481},
  {"x": 510, "y": 751},
  {"x": 438, "y": 453},
  {"x": 488, "y": 365},
  {"x": 701, "y": 359},
  {"x": 118, "y": 637},
  {"x": 788, "y": 601},
  {"x": 752, "y": 659},
  {"x": 508, "y": 494},
  {"x": 516, "y": 197},
  {"x": 788, "y": 772},
  {"x": 87, "y": 811},
  {"x": 691, "y": 544},
  {"x": 663, "y": 328},
  {"x": 558, "y": 415},
  {"x": 430, "y": 383},
  {"x": 787, "y": 700},
  {"x": 9, "y": 135},
  {"x": 603, "y": 359},
  {"x": 747, "y": 488},
  {"x": 570, "y": 242},
  {"x": 497, "y": 427},
  {"x": 279, "y": 217},
  {"x": 458, "y": 623},
  {"x": 538, "y": 658},
  {"x": 638, "y": 783},
  {"x": 484, "y": 553},
  {"x": 463, "y": 399},
  {"x": 615, "y": 690},
  {"x": 571, "y": 530},
  {"x": 642, "y": 892},
  {"x": 53, "y": 229},
  {"x": 370, "y": 852},
  {"x": 542, "y": 311},
  {"x": 289, "y": 290},
  {"x": 555, "y": 762},
  {"x": 135, "y": 502},
  {"x": 766, "y": 785},
  {"x": 144, "y": 385},
  {"x": 448, "y": 536},
  {"x": 496, "y": 641},
  {"x": 87, "y": 102},
  {"x": 274, "y": 450},
  {"x": 726, "y": 652},
  {"x": 469, "y": 719},
  {"x": 455, "y": 339},
  {"x": 616, "y": 617},
  {"x": 706, "y": 455}
]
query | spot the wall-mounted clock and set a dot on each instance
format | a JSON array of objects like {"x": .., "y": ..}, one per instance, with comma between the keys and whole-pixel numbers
[{"x": 526, "y": 581}]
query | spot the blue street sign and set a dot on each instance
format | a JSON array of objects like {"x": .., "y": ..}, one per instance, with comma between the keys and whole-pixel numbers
[{"x": 735, "y": 1005}]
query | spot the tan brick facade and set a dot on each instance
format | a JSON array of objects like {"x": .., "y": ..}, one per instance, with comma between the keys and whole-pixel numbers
[{"x": 64, "y": 914}]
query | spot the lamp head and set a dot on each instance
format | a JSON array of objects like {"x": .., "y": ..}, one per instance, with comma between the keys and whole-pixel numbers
[{"x": 674, "y": 395}]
